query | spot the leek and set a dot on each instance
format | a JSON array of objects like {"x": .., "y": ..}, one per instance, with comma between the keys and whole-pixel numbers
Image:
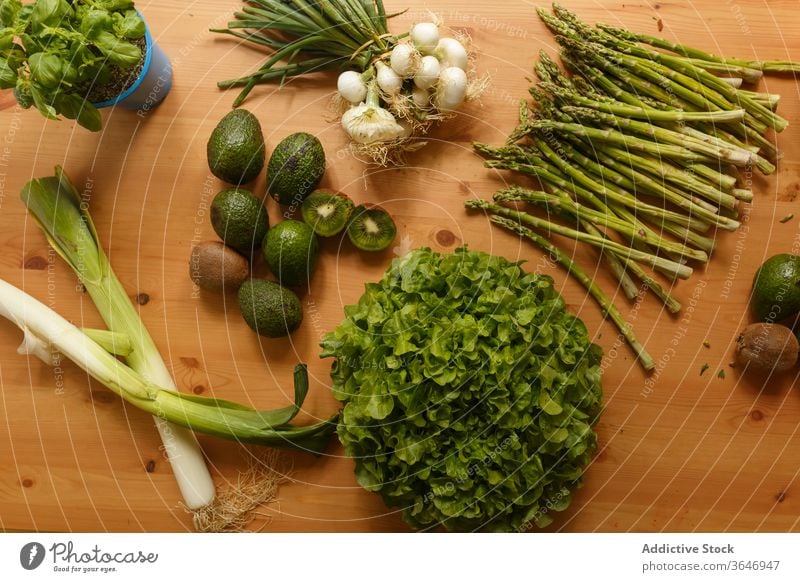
[
  {"x": 43, "y": 326},
  {"x": 57, "y": 207},
  {"x": 146, "y": 381}
]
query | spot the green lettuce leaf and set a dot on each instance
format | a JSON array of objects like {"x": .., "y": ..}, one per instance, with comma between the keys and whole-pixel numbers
[{"x": 469, "y": 392}]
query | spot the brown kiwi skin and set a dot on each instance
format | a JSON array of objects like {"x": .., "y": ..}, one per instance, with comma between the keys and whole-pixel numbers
[
  {"x": 215, "y": 267},
  {"x": 367, "y": 246},
  {"x": 346, "y": 200},
  {"x": 767, "y": 347}
]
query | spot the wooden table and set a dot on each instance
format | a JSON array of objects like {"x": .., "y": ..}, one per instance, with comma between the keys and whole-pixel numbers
[{"x": 680, "y": 451}]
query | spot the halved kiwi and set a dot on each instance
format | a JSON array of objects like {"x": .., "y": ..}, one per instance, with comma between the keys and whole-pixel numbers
[
  {"x": 326, "y": 212},
  {"x": 371, "y": 228}
]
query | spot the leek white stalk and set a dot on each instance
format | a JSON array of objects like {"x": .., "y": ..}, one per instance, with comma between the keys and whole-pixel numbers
[
  {"x": 43, "y": 327},
  {"x": 57, "y": 207}
]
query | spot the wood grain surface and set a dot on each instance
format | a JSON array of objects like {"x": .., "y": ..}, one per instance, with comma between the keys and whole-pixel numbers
[{"x": 680, "y": 450}]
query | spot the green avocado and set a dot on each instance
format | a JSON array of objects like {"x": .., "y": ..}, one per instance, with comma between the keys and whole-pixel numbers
[
  {"x": 295, "y": 168},
  {"x": 291, "y": 250},
  {"x": 776, "y": 289},
  {"x": 240, "y": 219},
  {"x": 235, "y": 149},
  {"x": 269, "y": 309}
]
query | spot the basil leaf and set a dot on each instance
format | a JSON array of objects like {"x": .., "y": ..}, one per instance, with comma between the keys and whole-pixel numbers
[
  {"x": 75, "y": 107},
  {"x": 118, "y": 52},
  {"x": 6, "y": 38},
  {"x": 42, "y": 102},
  {"x": 95, "y": 22},
  {"x": 115, "y": 4},
  {"x": 50, "y": 12},
  {"x": 9, "y": 9},
  {"x": 130, "y": 26},
  {"x": 8, "y": 76},
  {"x": 46, "y": 69}
]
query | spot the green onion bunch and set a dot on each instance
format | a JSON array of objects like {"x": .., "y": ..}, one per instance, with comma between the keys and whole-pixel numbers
[{"x": 391, "y": 87}]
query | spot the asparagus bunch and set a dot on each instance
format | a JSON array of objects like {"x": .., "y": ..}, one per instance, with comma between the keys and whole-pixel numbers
[{"x": 637, "y": 153}]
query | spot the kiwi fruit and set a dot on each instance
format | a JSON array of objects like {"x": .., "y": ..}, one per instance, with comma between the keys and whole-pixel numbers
[
  {"x": 371, "y": 228},
  {"x": 326, "y": 212},
  {"x": 218, "y": 268},
  {"x": 767, "y": 347}
]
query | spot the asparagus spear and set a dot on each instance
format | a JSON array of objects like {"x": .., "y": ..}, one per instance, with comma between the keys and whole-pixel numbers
[
  {"x": 731, "y": 155},
  {"x": 694, "y": 76},
  {"x": 676, "y": 269},
  {"x": 618, "y": 267},
  {"x": 632, "y": 112},
  {"x": 700, "y": 55},
  {"x": 536, "y": 167},
  {"x": 598, "y": 218},
  {"x": 672, "y": 304},
  {"x": 619, "y": 138}
]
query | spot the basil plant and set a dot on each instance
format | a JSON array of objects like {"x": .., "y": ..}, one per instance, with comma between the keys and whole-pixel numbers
[{"x": 55, "y": 54}]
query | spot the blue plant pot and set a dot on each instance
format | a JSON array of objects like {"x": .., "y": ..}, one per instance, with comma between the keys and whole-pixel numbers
[{"x": 153, "y": 84}]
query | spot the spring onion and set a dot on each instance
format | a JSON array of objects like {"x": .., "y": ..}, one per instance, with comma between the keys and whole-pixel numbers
[{"x": 353, "y": 37}]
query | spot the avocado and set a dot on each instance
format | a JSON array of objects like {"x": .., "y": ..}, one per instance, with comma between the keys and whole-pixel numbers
[
  {"x": 269, "y": 309},
  {"x": 776, "y": 289},
  {"x": 235, "y": 149},
  {"x": 291, "y": 249},
  {"x": 239, "y": 219},
  {"x": 295, "y": 168}
]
